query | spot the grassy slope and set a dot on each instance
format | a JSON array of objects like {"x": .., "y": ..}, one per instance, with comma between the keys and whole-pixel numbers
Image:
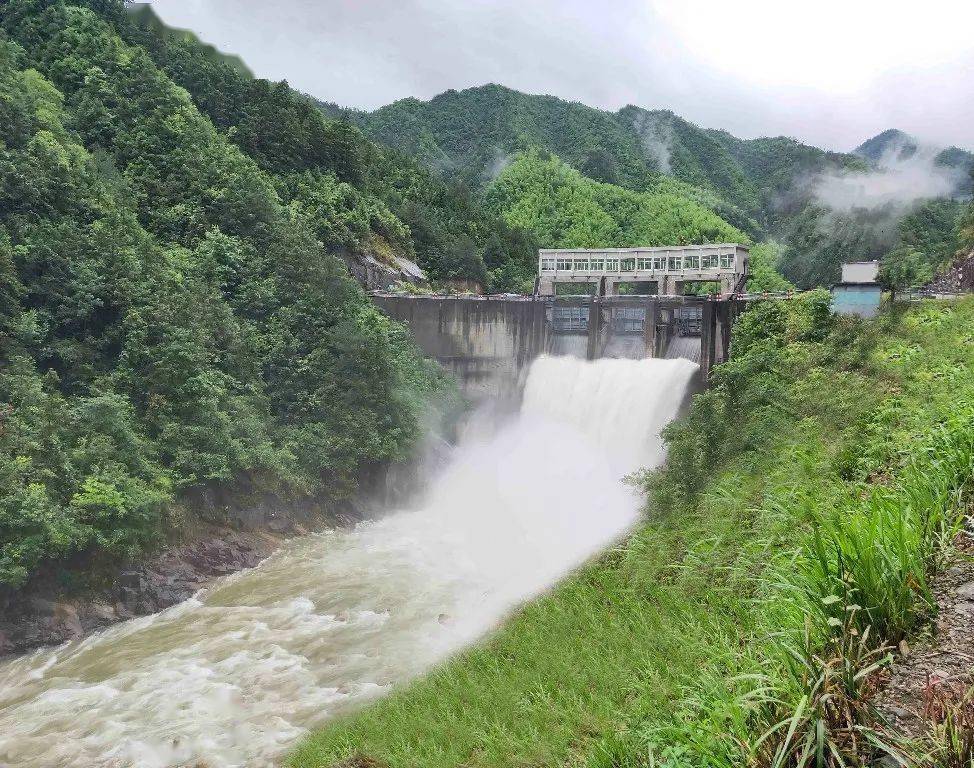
[{"x": 640, "y": 650}]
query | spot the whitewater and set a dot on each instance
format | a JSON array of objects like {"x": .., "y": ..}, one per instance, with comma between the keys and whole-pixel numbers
[{"x": 237, "y": 674}]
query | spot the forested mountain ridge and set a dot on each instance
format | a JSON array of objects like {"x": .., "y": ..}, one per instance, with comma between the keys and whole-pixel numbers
[
  {"x": 895, "y": 145},
  {"x": 471, "y": 133},
  {"x": 169, "y": 312},
  {"x": 904, "y": 145},
  {"x": 397, "y": 206},
  {"x": 767, "y": 187}
]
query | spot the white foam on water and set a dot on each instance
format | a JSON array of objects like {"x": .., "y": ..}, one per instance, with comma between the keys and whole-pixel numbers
[{"x": 237, "y": 674}]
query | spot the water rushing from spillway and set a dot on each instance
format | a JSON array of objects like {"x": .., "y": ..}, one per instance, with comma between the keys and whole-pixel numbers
[{"x": 234, "y": 676}]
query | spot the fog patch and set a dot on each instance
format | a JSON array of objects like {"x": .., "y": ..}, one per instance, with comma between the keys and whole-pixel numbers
[
  {"x": 903, "y": 176},
  {"x": 655, "y": 132},
  {"x": 498, "y": 163}
]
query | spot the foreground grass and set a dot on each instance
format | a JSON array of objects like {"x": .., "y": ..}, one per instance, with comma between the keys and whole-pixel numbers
[
  {"x": 675, "y": 647},
  {"x": 625, "y": 629}
]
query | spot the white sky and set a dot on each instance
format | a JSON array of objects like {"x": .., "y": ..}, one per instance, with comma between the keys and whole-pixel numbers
[{"x": 831, "y": 73}]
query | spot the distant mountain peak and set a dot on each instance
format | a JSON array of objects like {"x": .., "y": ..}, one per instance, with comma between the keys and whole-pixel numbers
[{"x": 891, "y": 142}]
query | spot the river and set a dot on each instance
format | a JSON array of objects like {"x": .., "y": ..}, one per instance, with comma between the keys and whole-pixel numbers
[{"x": 234, "y": 676}]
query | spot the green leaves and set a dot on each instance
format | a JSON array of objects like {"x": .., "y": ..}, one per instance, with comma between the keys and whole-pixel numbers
[
  {"x": 567, "y": 210},
  {"x": 167, "y": 318}
]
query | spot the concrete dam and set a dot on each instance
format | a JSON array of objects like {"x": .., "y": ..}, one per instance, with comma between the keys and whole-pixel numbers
[{"x": 488, "y": 343}]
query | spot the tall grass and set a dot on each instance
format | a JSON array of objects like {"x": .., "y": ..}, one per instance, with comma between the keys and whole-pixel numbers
[
  {"x": 746, "y": 621},
  {"x": 879, "y": 551}
]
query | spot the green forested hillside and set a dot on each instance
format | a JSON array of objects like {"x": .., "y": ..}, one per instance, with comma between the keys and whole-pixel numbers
[
  {"x": 170, "y": 317},
  {"x": 364, "y": 198},
  {"x": 474, "y": 132},
  {"x": 568, "y": 210},
  {"x": 764, "y": 187},
  {"x": 899, "y": 144},
  {"x": 686, "y": 152}
]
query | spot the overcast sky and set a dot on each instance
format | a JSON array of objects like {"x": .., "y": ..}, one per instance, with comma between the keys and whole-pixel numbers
[{"x": 831, "y": 72}]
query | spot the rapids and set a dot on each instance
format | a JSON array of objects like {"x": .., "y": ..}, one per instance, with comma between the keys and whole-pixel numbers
[{"x": 236, "y": 675}]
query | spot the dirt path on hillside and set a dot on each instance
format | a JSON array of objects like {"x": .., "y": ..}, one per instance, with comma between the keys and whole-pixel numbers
[{"x": 938, "y": 670}]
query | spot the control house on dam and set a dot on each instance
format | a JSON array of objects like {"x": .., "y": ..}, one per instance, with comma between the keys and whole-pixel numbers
[
  {"x": 660, "y": 271},
  {"x": 620, "y": 303}
]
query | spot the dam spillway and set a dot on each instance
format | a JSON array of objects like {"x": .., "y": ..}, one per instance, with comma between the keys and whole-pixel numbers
[
  {"x": 489, "y": 342},
  {"x": 235, "y": 676}
]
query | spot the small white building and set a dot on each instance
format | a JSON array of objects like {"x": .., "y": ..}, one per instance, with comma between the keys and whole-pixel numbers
[
  {"x": 858, "y": 293},
  {"x": 860, "y": 272}
]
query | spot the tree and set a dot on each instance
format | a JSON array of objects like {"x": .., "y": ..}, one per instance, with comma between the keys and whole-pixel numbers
[{"x": 904, "y": 268}]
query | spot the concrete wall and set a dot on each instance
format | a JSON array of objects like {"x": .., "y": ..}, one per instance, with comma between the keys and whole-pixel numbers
[{"x": 488, "y": 344}]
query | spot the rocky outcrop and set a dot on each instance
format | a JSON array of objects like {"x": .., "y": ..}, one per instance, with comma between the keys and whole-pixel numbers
[
  {"x": 43, "y": 614},
  {"x": 958, "y": 279},
  {"x": 231, "y": 528},
  {"x": 376, "y": 275}
]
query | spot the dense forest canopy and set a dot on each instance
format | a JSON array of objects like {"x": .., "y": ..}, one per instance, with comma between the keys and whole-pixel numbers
[
  {"x": 569, "y": 210},
  {"x": 172, "y": 314}
]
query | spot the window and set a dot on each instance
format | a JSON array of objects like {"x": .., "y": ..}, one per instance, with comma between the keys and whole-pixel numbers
[
  {"x": 659, "y": 263},
  {"x": 628, "y": 265},
  {"x": 598, "y": 265},
  {"x": 612, "y": 265},
  {"x": 547, "y": 265},
  {"x": 564, "y": 264},
  {"x": 644, "y": 264},
  {"x": 581, "y": 265},
  {"x": 675, "y": 263},
  {"x": 727, "y": 261},
  {"x": 710, "y": 261}
]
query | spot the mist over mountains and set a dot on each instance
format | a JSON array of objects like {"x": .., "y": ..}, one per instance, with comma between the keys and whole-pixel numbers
[{"x": 822, "y": 207}]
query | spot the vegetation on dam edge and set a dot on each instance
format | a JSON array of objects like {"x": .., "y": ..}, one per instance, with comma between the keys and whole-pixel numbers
[{"x": 789, "y": 540}]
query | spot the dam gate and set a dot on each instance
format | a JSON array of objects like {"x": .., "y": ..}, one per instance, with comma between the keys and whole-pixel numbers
[{"x": 489, "y": 342}]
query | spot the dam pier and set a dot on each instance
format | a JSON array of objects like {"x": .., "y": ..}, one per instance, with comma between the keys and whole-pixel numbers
[
  {"x": 489, "y": 342},
  {"x": 629, "y": 303}
]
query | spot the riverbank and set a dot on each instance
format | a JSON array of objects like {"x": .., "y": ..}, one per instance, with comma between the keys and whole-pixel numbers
[
  {"x": 221, "y": 536},
  {"x": 221, "y": 530},
  {"x": 679, "y": 647}
]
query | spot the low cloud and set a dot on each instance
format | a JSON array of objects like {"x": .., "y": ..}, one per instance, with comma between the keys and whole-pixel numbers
[
  {"x": 656, "y": 134},
  {"x": 904, "y": 175},
  {"x": 498, "y": 163}
]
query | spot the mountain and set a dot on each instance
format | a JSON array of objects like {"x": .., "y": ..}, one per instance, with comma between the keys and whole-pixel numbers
[
  {"x": 175, "y": 317},
  {"x": 891, "y": 142},
  {"x": 895, "y": 146},
  {"x": 818, "y": 203},
  {"x": 472, "y": 133}
]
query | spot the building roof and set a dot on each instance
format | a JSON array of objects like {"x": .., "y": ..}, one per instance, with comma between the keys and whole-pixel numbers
[{"x": 644, "y": 249}]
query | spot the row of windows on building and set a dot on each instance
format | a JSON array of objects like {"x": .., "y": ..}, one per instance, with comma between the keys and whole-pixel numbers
[{"x": 640, "y": 264}]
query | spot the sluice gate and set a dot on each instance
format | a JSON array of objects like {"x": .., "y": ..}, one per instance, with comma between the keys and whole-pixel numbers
[
  {"x": 658, "y": 321},
  {"x": 489, "y": 342}
]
